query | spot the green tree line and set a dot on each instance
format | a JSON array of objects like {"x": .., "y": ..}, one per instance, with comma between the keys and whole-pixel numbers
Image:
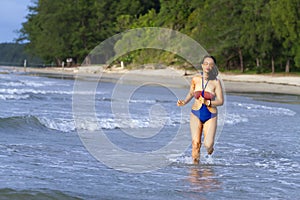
[
  {"x": 13, "y": 54},
  {"x": 257, "y": 35}
]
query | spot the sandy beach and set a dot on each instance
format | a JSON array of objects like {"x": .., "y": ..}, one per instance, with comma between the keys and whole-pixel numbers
[{"x": 171, "y": 77}]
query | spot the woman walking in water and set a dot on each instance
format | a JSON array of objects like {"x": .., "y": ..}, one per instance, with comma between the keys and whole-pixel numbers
[{"x": 208, "y": 93}]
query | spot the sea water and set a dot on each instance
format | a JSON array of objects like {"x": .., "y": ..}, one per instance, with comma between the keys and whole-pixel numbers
[{"x": 257, "y": 153}]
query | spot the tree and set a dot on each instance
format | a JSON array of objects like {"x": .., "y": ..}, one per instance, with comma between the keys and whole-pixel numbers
[
  {"x": 72, "y": 28},
  {"x": 13, "y": 54},
  {"x": 45, "y": 29},
  {"x": 237, "y": 33},
  {"x": 174, "y": 14},
  {"x": 257, "y": 33},
  {"x": 285, "y": 18},
  {"x": 221, "y": 26}
]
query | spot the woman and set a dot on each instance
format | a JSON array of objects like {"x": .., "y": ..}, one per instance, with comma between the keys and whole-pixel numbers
[{"x": 208, "y": 94}]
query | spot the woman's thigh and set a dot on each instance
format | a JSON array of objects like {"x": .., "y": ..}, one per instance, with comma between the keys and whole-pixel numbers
[
  {"x": 209, "y": 131},
  {"x": 196, "y": 128}
]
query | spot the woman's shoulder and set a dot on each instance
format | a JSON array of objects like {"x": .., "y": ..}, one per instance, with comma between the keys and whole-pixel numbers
[
  {"x": 217, "y": 82},
  {"x": 197, "y": 76}
]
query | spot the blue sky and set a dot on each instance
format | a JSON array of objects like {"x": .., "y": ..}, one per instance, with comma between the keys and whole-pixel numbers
[{"x": 12, "y": 14}]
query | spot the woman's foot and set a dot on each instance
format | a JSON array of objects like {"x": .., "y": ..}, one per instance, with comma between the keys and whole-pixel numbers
[
  {"x": 196, "y": 161},
  {"x": 210, "y": 151}
]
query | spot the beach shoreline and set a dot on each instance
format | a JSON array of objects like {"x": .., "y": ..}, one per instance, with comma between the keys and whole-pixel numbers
[{"x": 172, "y": 77}]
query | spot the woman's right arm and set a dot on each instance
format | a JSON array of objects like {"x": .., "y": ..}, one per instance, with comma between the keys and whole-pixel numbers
[{"x": 189, "y": 96}]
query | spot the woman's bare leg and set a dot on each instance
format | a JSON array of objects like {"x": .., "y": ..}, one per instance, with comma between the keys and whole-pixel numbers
[
  {"x": 196, "y": 133},
  {"x": 209, "y": 131}
]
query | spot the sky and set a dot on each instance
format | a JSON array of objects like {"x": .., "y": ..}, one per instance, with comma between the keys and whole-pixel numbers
[{"x": 12, "y": 15}]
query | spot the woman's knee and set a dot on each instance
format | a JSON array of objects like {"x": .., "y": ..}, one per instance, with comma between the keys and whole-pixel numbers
[
  {"x": 196, "y": 145},
  {"x": 209, "y": 144}
]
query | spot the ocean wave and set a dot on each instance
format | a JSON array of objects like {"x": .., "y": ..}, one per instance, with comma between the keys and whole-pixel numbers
[
  {"x": 256, "y": 109},
  {"x": 19, "y": 94},
  {"x": 35, "y": 82},
  {"x": 37, "y": 123},
  {"x": 20, "y": 122},
  {"x": 282, "y": 165},
  {"x": 13, "y": 97},
  {"x": 63, "y": 125},
  {"x": 123, "y": 123},
  {"x": 146, "y": 101},
  {"x": 105, "y": 122},
  {"x": 37, "y": 91},
  {"x": 22, "y": 94},
  {"x": 68, "y": 125},
  {"x": 9, "y": 193},
  {"x": 33, "y": 91},
  {"x": 232, "y": 119},
  {"x": 26, "y": 84}
]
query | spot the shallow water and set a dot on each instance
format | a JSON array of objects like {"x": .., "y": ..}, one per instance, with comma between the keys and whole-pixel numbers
[{"x": 257, "y": 154}]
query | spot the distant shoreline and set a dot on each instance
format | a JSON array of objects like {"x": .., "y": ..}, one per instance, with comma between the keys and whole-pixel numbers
[{"x": 172, "y": 78}]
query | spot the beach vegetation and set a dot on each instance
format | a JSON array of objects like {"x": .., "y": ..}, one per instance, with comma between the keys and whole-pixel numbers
[{"x": 14, "y": 54}]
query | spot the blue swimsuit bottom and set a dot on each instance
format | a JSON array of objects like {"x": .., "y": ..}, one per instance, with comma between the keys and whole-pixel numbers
[{"x": 204, "y": 114}]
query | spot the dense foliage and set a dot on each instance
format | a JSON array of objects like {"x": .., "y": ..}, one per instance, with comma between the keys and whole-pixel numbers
[
  {"x": 12, "y": 54},
  {"x": 260, "y": 35}
]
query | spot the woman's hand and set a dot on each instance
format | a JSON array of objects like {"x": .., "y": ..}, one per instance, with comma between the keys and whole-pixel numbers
[
  {"x": 180, "y": 103},
  {"x": 201, "y": 100},
  {"x": 207, "y": 102}
]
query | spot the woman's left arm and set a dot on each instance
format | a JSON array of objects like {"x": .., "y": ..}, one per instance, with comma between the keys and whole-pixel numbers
[{"x": 219, "y": 100}]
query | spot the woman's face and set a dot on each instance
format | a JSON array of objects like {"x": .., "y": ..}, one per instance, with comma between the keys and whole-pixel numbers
[{"x": 208, "y": 64}]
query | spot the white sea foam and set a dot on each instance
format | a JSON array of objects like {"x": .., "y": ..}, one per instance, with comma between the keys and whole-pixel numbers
[
  {"x": 247, "y": 111},
  {"x": 256, "y": 109},
  {"x": 278, "y": 165},
  {"x": 233, "y": 118},
  {"x": 28, "y": 83},
  {"x": 12, "y": 84},
  {"x": 109, "y": 123},
  {"x": 43, "y": 92},
  {"x": 33, "y": 91},
  {"x": 136, "y": 122},
  {"x": 13, "y": 97},
  {"x": 142, "y": 101},
  {"x": 63, "y": 125},
  {"x": 180, "y": 159},
  {"x": 188, "y": 160},
  {"x": 124, "y": 123}
]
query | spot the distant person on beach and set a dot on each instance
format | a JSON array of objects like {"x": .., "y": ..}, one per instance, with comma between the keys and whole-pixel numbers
[{"x": 207, "y": 90}]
